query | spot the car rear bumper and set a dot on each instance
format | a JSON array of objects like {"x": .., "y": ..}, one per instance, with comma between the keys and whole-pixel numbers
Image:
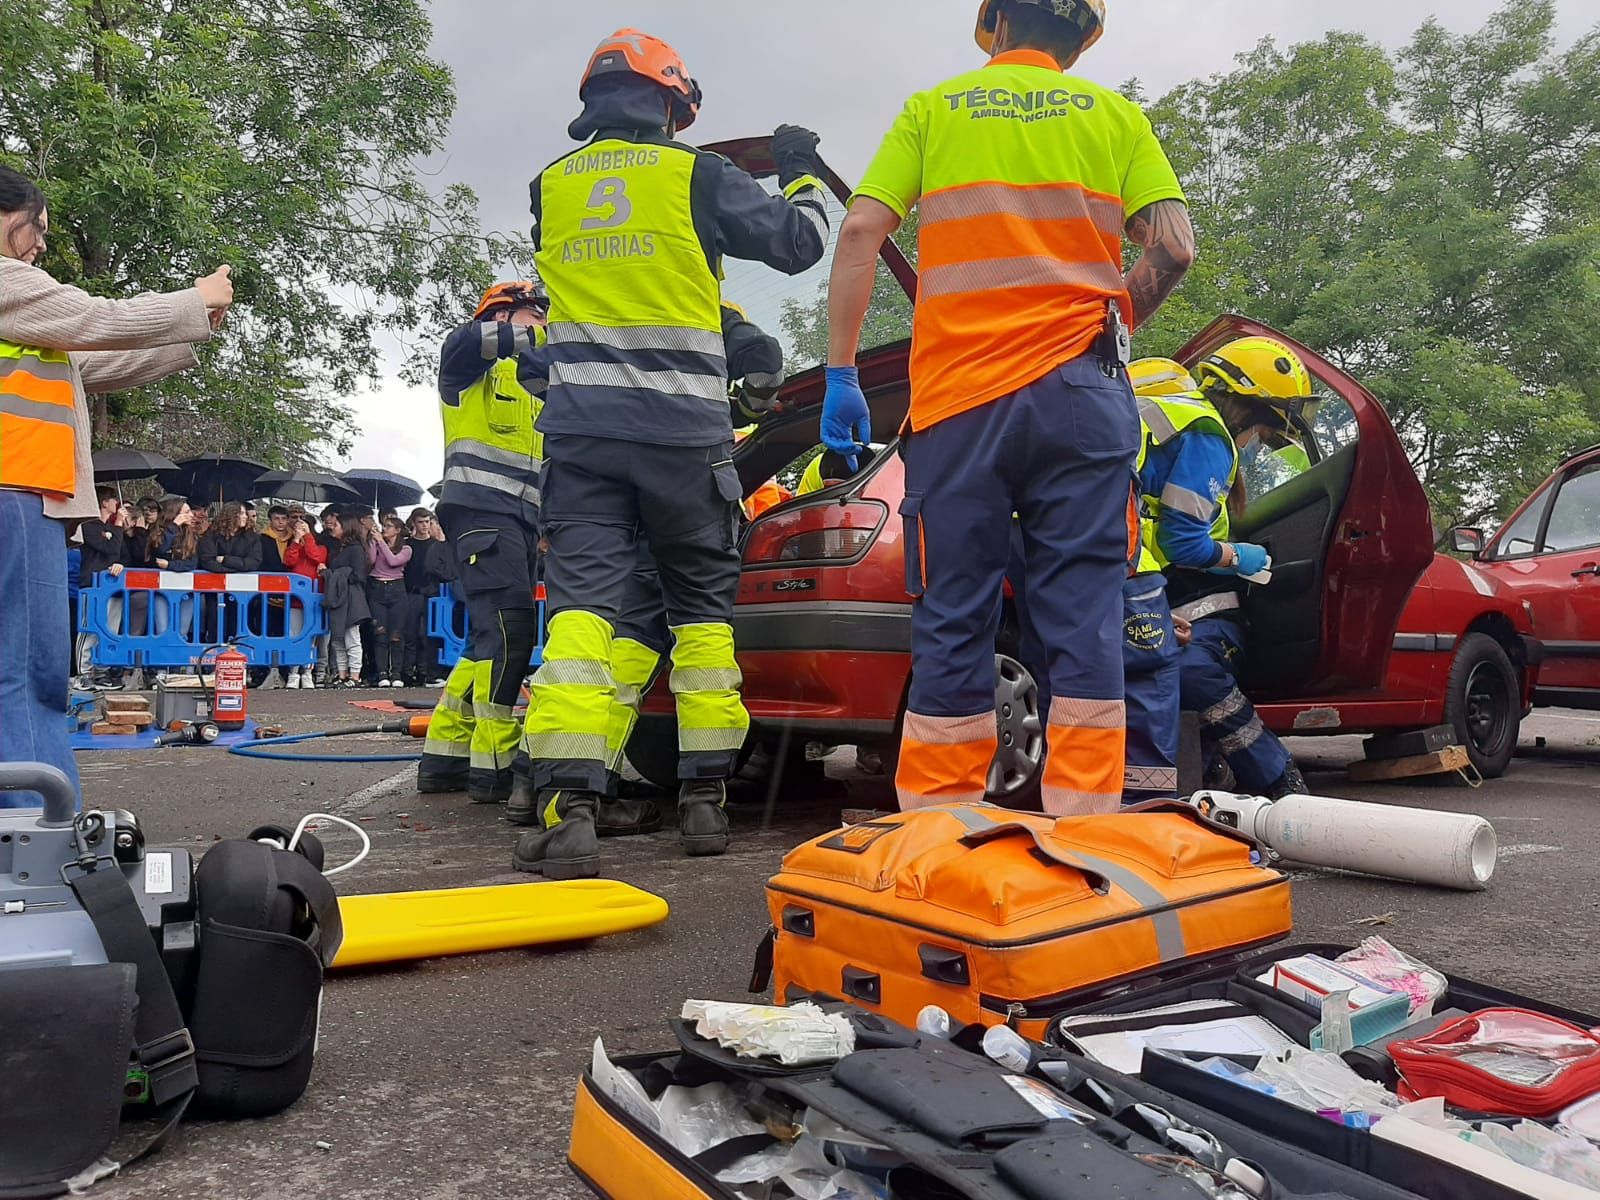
[{"x": 823, "y": 627}]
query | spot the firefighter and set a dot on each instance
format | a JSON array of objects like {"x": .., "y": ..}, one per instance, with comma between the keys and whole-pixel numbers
[
  {"x": 1026, "y": 180},
  {"x": 491, "y": 373},
  {"x": 1250, "y": 390},
  {"x": 630, "y": 230},
  {"x": 640, "y": 635}
]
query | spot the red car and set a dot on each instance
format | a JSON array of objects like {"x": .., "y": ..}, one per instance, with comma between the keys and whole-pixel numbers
[
  {"x": 1363, "y": 628},
  {"x": 1548, "y": 556}
]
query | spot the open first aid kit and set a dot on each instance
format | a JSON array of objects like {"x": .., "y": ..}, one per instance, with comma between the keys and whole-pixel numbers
[
  {"x": 136, "y": 987},
  {"x": 1370, "y": 1057},
  {"x": 891, "y": 1114},
  {"x": 1002, "y": 916}
]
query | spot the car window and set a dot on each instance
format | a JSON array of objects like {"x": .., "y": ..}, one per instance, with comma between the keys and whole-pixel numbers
[
  {"x": 1575, "y": 515},
  {"x": 1332, "y": 427},
  {"x": 1522, "y": 535},
  {"x": 794, "y": 308}
]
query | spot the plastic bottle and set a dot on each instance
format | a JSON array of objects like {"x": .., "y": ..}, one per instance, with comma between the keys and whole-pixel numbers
[
  {"x": 1007, "y": 1048},
  {"x": 933, "y": 1021}
]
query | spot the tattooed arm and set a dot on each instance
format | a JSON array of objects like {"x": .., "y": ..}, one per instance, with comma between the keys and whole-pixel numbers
[{"x": 1163, "y": 230}]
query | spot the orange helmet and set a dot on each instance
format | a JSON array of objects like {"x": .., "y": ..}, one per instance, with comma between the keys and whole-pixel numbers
[
  {"x": 518, "y": 291},
  {"x": 638, "y": 53},
  {"x": 1089, "y": 16}
]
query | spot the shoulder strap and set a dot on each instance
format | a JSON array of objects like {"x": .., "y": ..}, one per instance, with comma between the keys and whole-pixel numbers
[{"x": 295, "y": 870}]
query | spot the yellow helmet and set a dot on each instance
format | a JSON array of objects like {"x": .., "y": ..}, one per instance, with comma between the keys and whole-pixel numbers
[
  {"x": 1088, "y": 15},
  {"x": 1261, "y": 367},
  {"x": 1159, "y": 377}
]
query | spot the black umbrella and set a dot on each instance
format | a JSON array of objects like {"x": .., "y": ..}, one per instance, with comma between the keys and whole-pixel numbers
[
  {"x": 111, "y": 466},
  {"x": 437, "y": 490},
  {"x": 384, "y": 489},
  {"x": 307, "y": 487},
  {"x": 214, "y": 478}
]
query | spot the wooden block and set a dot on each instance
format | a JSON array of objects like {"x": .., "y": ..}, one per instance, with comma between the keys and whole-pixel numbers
[
  {"x": 137, "y": 720},
  {"x": 125, "y": 704},
  {"x": 1451, "y": 758},
  {"x": 105, "y": 727}
]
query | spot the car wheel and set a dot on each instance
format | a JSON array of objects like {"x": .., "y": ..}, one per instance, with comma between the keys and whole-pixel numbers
[
  {"x": 653, "y": 750},
  {"x": 1018, "y": 768},
  {"x": 1483, "y": 703}
]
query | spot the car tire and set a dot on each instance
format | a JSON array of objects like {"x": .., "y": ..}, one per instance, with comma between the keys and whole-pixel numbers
[
  {"x": 1483, "y": 703},
  {"x": 1017, "y": 773},
  {"x": 653, "y": 750}
]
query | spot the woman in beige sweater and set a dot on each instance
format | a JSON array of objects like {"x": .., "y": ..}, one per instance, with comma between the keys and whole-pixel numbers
[{"x": 56, "y": 343}]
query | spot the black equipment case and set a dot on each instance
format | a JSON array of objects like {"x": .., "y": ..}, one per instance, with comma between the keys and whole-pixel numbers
[
  {"x": 961, "y": 1127},
  {"x": 1233, "y": 978}
]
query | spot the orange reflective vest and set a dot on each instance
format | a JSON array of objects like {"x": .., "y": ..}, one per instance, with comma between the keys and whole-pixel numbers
[
  {"x": 38, "y": 421},
  {"x": 1023, "y": 178}
]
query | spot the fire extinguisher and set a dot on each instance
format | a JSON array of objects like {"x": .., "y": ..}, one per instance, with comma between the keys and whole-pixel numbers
[{"x": 230, "y": 673}]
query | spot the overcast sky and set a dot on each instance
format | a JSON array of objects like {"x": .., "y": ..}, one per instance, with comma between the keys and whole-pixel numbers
[{"x": 841, "y": 67}]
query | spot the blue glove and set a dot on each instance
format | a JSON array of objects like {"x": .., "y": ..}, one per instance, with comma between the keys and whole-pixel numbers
[
  {"x": 1249, "y": 559},
  {"x": 846, "y": 421}
]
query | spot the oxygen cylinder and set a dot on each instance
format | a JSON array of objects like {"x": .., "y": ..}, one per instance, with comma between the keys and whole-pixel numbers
[
  {"x": 1454, "y": 850},
  {"x": 228, "y": 709}
]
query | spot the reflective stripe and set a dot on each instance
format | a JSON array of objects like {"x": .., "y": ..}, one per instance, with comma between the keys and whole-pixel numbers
[
  {"x": 711, "y": 739},
  {"x": 488, "y": 479},
  {"x": 495, "y": 454},
  {"x": 47, "y": 411},
  {"x": 818, "y": 216},
  {"x": 1044, "y": 202},
  {"x": 1156, "y": 421},
  {"x": 1242, "y": 738},
  {"x": 705, "y": 679},
  {"x": 489, "y": 340},
  {"x": 1233, "y": 702},
  {"x": 573, "y": 672},
  {"x": 1150, "y": 779},
  {"x": 910, "y": 800},
  {"x": 1061, "y": 801},
  {"x": 1069, "y": 712},
  {"x": 583, "y": 746},
  {"x": 1207, "y": 606},
  {"x": 802, "y": 184},
  {"x": 1181, "y": 499},
  {"x": 1025, "y": 272},
  {"x": 639, "y": 337},
  {"x": 620, "y": 375},
  {"x": 949, "y": 731}
]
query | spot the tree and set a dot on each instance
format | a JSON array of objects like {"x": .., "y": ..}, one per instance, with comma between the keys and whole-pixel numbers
[
  {"x": 1428, "y": 221},
  {"x": 805, "y": 325},
  {"x": 279, "y": 136}
]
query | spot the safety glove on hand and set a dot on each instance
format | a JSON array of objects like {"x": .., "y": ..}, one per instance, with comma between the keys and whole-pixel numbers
[
  {"x": 846, "y": 420},
  {"x": 1248, "y": 559},
  {"x": 794, "y": 149}
]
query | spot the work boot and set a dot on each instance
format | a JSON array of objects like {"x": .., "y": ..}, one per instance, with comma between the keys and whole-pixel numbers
[
  {"x": 567, "y": 847},
  {"x": 442, "y": 773},
  {"x": 1290, "y": 783},
  {"x": 488, "y": 786},
  {"x": 702, "y": 820},
  {"x": 626, "y": 816},
  {"x": 522, "y": 806}
]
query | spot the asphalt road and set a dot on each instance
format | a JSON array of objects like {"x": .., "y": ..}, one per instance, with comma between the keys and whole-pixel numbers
[{"x": 453, "y": 1078}]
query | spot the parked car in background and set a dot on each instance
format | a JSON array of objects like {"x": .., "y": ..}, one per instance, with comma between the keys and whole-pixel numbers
[
  {"x": 1548, "y": 556},
  {"x": 1363, "y": 628}
]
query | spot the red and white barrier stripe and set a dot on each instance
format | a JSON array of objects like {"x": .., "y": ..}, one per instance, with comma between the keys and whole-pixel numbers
[{"x": 202, "y": 581}]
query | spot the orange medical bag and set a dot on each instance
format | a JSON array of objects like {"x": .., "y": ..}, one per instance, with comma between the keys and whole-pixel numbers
[{"x": 998, "y": 916}]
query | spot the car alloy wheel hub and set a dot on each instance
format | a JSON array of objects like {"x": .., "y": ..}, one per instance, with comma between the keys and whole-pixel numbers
[{"x": 1019, "y": 729}]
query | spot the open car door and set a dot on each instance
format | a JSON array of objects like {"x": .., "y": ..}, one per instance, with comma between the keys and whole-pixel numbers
[{"x": 1349, "y": 536}]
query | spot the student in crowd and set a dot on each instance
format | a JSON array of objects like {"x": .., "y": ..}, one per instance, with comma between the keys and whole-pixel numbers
[
  {"x": 332, "y": 532},
  {"x": 275, "y": 540},
  {"x": 305, "y": 555},
  {"x": 201, "y": 519},
  {"x": 386, "y": 595},
  {"x": 105, "y": 549},
  {"x": 421, "y": 651},
  {"x": 231, "y": 545},
  {"x": 346, "y": 602},
  {"x": 172, "y": 544}
]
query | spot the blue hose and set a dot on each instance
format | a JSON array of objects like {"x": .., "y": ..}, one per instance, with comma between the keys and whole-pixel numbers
[{"x": 260, "y": 749}]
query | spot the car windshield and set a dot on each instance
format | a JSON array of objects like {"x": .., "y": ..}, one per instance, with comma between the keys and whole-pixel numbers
[{"x": 794, "y": 308}]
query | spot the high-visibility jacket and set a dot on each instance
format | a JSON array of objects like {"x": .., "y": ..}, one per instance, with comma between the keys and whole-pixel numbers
[
  {"x": 1023, "y": 178},
  {"x": 492, "y": 452},
  {"x": 631, "y": 231},
  {"x": 1164, "y": 419},
  {"x": 38, "y": 420}
]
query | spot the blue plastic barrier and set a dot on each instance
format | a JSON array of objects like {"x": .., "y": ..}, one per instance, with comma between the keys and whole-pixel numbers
[
  {"x": 447, "y": 621},
  {"x": 169, "y": 619}
]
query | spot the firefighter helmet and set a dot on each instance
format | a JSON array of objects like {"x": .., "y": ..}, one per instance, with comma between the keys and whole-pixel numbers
[
  {"x": 633, "y": 52},
  {"x": 515, "y": 292},
  {"x": 1159, "y": 377}
]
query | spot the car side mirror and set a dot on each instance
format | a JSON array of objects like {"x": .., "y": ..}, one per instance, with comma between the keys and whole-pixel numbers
[{"x": 1466, "y": 540}]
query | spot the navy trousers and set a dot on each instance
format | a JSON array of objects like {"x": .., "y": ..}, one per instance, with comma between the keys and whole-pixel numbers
[{"x": 1209, "y": 685}]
